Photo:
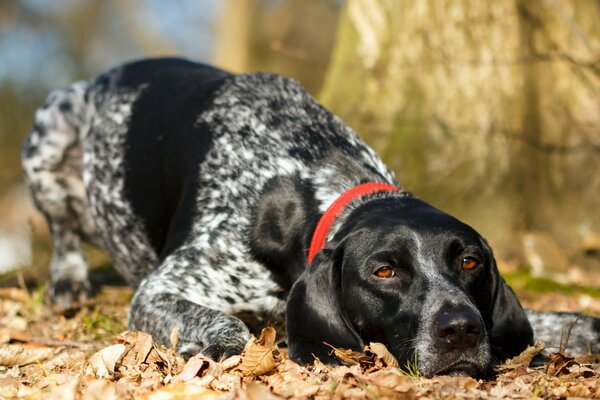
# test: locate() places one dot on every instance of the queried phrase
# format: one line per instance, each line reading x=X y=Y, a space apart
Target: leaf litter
x=92 y=356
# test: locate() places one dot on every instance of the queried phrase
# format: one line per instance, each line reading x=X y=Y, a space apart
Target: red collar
x=326 y=220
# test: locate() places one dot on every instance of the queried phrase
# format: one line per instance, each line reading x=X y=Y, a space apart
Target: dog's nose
x=458 y=329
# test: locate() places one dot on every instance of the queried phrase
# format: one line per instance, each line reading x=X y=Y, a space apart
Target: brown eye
x=470 y=263
x=385 y=272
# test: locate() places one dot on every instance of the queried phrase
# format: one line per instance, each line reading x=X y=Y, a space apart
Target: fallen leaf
x=231 y=362
x=171 y=361
x=524 y=359
x=174 y=337
x=4 y=336
x=559 y=364
x=318 y=366
x=138 y=346
x=20 y=336
x=390 y=384
x=587 y=358
x=577 y=370
x=192 y=368
x=54 y=380
x=226 y=382
x=66 y=391
x=102 y=363
x=382 y=352
x=15 y=294
x=11 y=355
x=183 y=391
x=256 y=391
x=100 y=390
x=292 y=386
x=347 y=356
x=258 y=358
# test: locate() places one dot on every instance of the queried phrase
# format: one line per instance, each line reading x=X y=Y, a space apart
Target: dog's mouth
x=461 y=368
x=473 y=362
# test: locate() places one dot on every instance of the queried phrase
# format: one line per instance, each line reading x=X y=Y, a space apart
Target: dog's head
x=400 y=272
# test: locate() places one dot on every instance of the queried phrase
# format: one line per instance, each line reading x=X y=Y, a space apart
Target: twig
x=62 y=343
x=565 y=337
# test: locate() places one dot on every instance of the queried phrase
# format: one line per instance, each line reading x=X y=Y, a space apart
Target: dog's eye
x=470 y=263
x=385 y=272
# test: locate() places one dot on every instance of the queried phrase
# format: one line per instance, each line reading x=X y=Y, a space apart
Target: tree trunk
x=489 y=110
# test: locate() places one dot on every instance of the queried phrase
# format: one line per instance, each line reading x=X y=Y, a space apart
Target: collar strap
x=326 y=220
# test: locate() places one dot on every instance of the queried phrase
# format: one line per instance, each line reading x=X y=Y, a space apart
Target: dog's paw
x=65 y=295
x=216 y=351
x=221 y=351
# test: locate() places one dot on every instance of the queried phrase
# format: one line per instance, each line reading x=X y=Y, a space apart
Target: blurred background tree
x=488 y=110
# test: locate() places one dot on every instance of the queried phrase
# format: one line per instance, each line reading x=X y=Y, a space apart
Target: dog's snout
x=458 y=329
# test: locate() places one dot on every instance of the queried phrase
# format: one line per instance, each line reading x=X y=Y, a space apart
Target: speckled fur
x=213 y=270
x=575 y=332
x=74 y=161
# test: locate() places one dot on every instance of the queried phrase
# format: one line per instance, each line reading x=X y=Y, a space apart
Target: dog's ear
x=509 y=329
x=314 y=313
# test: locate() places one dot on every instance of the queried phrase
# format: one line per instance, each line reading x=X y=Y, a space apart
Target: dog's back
x=173 y=165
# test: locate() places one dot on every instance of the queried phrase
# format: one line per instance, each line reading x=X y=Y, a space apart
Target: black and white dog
x=208 y=190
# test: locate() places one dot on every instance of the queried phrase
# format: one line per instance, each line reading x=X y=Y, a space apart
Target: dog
x=227 y=201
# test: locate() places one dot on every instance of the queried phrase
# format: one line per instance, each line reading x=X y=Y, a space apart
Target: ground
x=90 y=355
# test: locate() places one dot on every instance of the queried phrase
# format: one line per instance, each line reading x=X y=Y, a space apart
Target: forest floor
x=90 y=355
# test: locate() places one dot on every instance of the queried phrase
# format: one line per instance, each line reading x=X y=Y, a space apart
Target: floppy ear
x=509 y=329
x=314 y=314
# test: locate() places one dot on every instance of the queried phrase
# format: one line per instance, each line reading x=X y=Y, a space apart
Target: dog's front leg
x=200 y=329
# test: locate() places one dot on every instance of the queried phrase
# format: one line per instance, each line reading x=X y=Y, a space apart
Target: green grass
x=101 y=325
x=411 y=368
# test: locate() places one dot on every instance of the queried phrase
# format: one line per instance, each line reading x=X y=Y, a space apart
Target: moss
x=522 y=280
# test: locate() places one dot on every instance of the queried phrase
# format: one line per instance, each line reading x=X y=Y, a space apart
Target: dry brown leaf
x=292 y=386
x=100 y=390
x=390 y=384
x=66 y=360
x=183 y=391
x=319 y=368
x=54 y=380
x=559 y=364
x=138 y=346
x=231 y=362
x=391 y=380
x=102 y=364
x=174 y=337
x=13 y=322
x=16 y=354
x=4 y=336
x=258 y=357
x=382 y=352
x=172 y=363
x=194 y=367
x=66 y=391
x=347 y=356
x=524 y=359
x=587 y=358
x=345 y=373
x=256 y=391
x=15 y=294
x=226 y=382
x=20 y=336
x=577 y=370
